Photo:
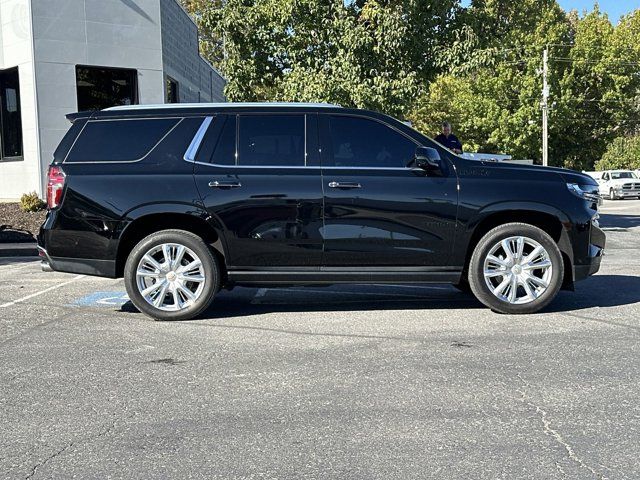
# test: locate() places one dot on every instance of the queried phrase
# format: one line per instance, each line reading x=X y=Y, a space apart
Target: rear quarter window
x=119 y=140
x=67 y=141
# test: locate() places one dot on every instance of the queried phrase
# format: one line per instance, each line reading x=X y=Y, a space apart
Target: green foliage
x=31 y=202
x=621 y=154
x=369 y=54
x=491 y=94
x=477 y=66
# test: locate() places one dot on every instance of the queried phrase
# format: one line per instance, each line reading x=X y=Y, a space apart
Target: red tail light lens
x=55 y=185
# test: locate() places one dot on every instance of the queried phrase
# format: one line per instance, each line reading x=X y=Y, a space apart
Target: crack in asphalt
x=35 y=468
x=557 y=436
x=89 y=438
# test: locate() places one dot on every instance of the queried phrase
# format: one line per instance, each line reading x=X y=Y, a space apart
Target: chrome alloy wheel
x=518 y=270
x=170 y=277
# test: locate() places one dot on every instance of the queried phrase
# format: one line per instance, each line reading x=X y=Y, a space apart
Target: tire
x=612 y=195
x=530 y=294
x=182 y=293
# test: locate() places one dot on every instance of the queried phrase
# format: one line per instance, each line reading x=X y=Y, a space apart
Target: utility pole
x=545 y=108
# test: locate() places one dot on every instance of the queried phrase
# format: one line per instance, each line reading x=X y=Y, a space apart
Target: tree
x=478 y=66
x=623 y=153
x=494 y=78
x=366 y=53
x=211 y=45
x=581 y=100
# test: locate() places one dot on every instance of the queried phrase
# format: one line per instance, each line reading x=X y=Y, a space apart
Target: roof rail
x=220 y=105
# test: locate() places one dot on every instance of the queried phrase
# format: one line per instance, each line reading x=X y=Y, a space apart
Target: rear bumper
x=87 y=266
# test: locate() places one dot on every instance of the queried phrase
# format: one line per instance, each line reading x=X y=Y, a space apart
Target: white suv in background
x=615 y=184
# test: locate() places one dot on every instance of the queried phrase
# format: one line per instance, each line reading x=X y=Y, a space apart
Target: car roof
x=199 y=109
x=221 y=105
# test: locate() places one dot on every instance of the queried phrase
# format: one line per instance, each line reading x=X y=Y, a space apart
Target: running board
x=328 y=277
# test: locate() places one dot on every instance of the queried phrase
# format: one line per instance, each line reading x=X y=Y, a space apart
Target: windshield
x=617 y=175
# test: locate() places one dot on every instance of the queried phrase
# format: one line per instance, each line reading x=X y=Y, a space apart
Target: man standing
x=448 y=139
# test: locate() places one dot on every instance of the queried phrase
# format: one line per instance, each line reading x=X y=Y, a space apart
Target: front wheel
x=516 y=268
x=172 y=275
x=612 y=194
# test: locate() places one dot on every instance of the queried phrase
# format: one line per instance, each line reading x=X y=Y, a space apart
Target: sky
x=614 y=8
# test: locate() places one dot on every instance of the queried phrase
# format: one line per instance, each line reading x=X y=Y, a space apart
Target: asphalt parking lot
x=371 y=382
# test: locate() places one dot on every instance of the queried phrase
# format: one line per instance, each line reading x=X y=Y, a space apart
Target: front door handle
x=344 y=185
x=225 y=184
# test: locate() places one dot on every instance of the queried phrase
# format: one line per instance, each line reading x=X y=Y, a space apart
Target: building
x=63 y=56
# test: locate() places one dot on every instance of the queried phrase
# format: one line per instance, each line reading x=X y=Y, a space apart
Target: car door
x=378 y=211
x=603 y=184
x=262 y=189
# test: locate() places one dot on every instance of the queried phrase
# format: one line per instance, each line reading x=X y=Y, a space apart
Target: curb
x=23 y=249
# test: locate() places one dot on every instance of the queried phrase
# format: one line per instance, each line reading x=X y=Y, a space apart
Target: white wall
x=23 y=176
x=46 y=39
x=108 y=33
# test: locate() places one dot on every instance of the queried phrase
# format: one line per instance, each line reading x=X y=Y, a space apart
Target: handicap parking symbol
x=103 y=299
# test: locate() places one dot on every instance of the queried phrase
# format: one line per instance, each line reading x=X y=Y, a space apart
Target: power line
x=580 y=60
x=609 y=120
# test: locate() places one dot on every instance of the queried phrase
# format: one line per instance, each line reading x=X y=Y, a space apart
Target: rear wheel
x=516 y=268
x=172 y=275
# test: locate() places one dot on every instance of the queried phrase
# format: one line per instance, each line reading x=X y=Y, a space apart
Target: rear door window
x=119 y=140
x=271 y=140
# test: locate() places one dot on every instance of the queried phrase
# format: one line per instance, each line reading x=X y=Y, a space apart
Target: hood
x=569 y=176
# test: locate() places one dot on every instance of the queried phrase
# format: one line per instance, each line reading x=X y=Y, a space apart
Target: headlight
x=586 y=192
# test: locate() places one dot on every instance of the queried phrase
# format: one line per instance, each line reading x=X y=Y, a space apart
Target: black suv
x=185 y=200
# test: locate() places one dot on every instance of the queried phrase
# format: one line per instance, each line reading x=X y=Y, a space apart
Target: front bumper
x=627 y=193
x=591 y=264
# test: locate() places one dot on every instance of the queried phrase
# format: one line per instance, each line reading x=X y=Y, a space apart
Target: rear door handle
x=225 y=184
x=344 y=185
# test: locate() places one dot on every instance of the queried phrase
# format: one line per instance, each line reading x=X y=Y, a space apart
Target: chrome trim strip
x=300 y=167
x=194 y=146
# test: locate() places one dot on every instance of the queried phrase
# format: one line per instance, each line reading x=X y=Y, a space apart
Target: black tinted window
x=225 y=152
x=119 y=140
x=67 y=141
x=271 y=140
x=360 y=142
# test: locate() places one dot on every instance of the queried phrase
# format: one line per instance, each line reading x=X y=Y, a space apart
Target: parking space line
x=9 y=304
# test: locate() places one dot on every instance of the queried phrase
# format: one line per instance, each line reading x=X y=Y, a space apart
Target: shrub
x=31 y=202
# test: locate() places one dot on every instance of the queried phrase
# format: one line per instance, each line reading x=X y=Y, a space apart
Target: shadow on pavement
x=608 y=220
x=597 y=291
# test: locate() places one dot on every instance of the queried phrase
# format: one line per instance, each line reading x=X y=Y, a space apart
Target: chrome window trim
x=194 y=146
x=180 y=119
x=382 y=122
x=287 y=167
x=300 y=167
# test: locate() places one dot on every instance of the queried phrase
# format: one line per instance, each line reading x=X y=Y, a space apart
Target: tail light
x=55 y=185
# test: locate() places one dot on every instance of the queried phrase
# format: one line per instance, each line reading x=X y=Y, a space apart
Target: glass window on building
x=103 y=87
x=10 y=116
x=172 y=91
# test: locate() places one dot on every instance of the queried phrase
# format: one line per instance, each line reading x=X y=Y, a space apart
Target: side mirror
x=428 y=159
